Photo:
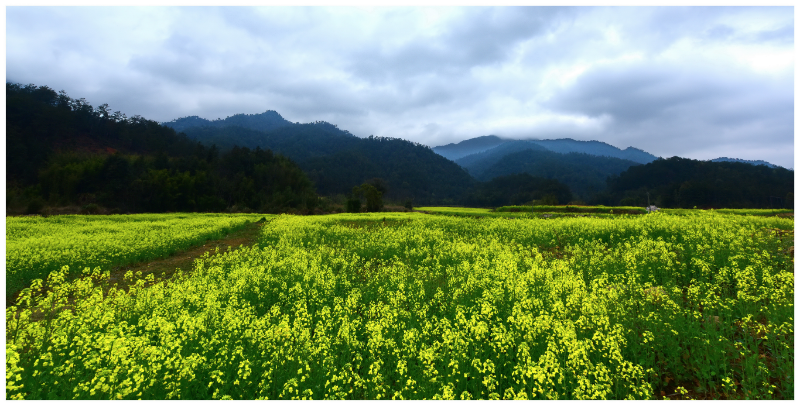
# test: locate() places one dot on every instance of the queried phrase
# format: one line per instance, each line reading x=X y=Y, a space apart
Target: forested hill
x=64 y=152
x=336 y=160
x=297 y=141
x=265 y=121
x=41 y=122
x=686 y=183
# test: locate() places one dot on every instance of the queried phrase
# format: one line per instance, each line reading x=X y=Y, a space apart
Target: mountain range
x=336 y=160
x=563 y=146
x=583 y=166
x=64 y=152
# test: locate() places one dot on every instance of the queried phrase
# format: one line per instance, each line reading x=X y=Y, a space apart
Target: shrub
x=90 y=208
x=34 y=207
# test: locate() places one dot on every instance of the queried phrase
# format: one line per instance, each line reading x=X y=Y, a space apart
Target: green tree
x=354 y=201
x=373 y=196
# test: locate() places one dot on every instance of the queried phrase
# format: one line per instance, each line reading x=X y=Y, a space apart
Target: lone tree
x=373 y=196
x=368 y=192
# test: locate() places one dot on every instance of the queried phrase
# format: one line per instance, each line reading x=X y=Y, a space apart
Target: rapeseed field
x=416 y=306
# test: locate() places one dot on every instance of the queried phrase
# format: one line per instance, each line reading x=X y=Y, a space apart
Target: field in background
x=574 y=209
x=596 y=211
x=36 y=246
x=533 y=212
x=740 y=212
x=417 y=306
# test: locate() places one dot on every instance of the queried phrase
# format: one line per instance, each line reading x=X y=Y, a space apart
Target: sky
x=695 y=82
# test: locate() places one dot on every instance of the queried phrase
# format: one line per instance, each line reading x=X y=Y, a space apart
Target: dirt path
x=164 y=268
x=184 y=260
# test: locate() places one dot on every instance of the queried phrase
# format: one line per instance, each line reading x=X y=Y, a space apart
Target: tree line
x=62 y=151
x=686 y=183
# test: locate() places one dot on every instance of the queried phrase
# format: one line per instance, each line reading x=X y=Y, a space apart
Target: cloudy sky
x=693 y=82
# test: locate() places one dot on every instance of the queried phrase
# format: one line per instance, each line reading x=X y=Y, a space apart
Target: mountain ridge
x=265 y=121
x=745 y=161
x=336 y=160
x=477 y=145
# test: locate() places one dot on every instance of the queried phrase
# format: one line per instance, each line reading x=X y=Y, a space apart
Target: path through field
x=166 y=267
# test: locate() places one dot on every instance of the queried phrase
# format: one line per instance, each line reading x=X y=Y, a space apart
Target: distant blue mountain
x=469 y=147
x=479 y=145
x=597 y=148
x=745 y=161
x=584 y=174
x=478 y=162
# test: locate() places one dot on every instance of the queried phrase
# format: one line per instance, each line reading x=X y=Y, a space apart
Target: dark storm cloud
x=699 y=82
x=641 y=91
x=477 y=37
x=679 y=105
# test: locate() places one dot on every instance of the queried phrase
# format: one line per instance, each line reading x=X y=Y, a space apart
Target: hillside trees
x=686 y=183
x=63 y=152
x=518 y=189
x=370 y=193
x=335 y=160
x=584 y=174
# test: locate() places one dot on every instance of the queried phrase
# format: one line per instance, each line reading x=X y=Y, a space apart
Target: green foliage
x=373 y=197
x=35 y=206
x=532 y=212
x=137 y=165
x=409 y=306
x=267 y=120
x=573 y=209
x=548 y=199
x=518 y=189
x=454 y=209
x=354 y=201
x=368 y=192
x=40 y=121
x=335 y=160
x=741 y=212
x=584 y=174
x=685 y=183
x=90 y=208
